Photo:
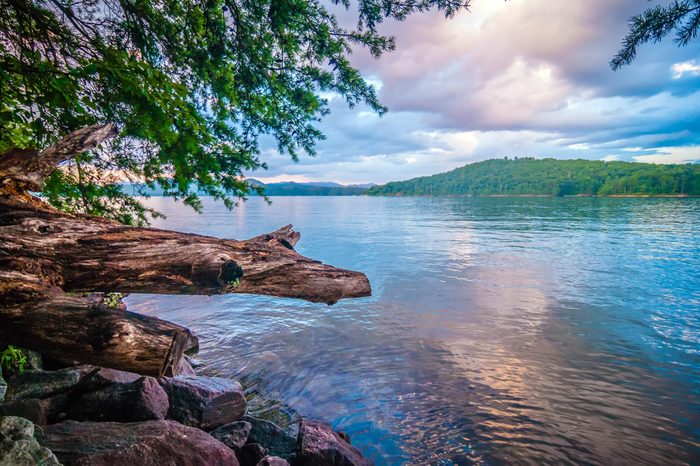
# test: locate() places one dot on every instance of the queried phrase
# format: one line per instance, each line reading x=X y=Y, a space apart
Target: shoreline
x=609 y=196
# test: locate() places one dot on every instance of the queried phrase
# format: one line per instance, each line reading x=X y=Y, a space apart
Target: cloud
x=689 y=154
x=690 y=67
x=523 y=77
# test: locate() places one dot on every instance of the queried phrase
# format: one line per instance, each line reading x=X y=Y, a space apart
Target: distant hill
x=286 y=188
x=552 y=177
x=320 y=188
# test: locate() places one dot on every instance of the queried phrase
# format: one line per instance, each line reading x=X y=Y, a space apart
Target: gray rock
x=319 y=445
x=272 y=437
x=34 y=360
x=233 y=435
x=204 y=402
x=43 y=384
x=141 y=400
x=18 y=447
x=130 y=444
x=251 y=454
x=3 y=386
x=273 y=461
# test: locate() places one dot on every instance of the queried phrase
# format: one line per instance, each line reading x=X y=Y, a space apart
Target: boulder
x=44 y=384
x=274 y=438
x=141 y=400
x=18 y=447
x=3 y=387
x=273 y=461
x=105 y=376
x=137 y=443
x=33 y=409
x=204 y=402
x=251 y=454
x=34 y=360
x=319 y=445
x=233 y=435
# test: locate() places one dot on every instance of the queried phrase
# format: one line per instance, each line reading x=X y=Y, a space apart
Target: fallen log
x=47 y=256
x=87 y=328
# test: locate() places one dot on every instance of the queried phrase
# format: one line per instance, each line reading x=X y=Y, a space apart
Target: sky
x=509 y=78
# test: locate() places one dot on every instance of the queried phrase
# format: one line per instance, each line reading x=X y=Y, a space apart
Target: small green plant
x=234 y=283
x=112 y=299
x=13 y=359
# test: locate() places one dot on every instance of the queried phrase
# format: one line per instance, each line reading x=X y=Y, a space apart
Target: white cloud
x=688 y=154
x=610 y=158
x=690 y=67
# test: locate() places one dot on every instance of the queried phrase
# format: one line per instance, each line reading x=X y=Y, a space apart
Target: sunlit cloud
x=690 y=67
x=690 y=154
x=507 y=80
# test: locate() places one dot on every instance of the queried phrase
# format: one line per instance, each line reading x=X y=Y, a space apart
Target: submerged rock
x=319 y=445
x=141 y=400
x=130 y=444
x=204 y=402
x=233 y=435
x=277 y=441
x=18 y=447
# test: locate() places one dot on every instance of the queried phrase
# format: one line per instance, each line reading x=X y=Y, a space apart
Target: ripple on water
x=501 y=331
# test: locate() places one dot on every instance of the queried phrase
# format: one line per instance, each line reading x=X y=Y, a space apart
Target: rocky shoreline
x=87 y=415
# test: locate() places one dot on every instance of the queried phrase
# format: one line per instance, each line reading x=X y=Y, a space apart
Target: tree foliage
x=552 y=177
x=681 y=17
x=192 y=85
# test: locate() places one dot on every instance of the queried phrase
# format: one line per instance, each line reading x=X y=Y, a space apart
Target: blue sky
x=516 y=78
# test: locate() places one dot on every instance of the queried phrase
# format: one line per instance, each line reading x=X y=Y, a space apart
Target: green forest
x=529 y=176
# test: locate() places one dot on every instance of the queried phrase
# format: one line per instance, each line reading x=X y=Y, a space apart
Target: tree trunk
x=84 y=328
x=45 y=255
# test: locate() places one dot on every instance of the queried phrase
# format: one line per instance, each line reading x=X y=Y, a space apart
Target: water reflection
x=500 y=331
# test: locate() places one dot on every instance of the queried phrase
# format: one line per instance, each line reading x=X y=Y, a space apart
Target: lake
x=500 y=330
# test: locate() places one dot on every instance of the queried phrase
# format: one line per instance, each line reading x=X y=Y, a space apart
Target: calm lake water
x=500 y=331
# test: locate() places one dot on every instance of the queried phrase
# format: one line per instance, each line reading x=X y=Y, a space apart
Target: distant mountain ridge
x=311 y=188
x=552 y=177
x=284 y=188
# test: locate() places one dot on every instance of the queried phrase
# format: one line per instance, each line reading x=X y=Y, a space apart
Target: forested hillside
x=529 y=176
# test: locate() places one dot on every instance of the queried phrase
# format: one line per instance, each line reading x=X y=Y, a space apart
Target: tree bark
x=84 y=328
x=46 y=255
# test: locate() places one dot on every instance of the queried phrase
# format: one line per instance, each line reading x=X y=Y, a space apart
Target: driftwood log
x=54 y=267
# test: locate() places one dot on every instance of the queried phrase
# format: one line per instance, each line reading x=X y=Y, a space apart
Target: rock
x=273 y=461
x=233 y=435
x=274 y=438
x=43 y=384
x=343 y=435
x=204 y=402
x=104 y=376
x=18 y=447
x=35 y=410
x=3 y=386
x=34 y=360
x=184 y=368
x=141 y=400
x=129 y=444
x=320 y=446
x=251 y=454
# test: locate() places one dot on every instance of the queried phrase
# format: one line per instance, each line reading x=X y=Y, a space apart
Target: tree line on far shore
x=553 y=177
